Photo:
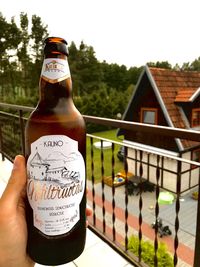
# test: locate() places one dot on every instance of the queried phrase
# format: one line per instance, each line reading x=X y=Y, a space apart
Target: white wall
x=167 y=176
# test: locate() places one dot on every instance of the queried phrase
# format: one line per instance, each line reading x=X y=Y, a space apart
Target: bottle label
x=56 y=183
x=55 y=70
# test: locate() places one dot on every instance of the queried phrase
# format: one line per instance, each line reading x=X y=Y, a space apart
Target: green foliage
x=148 y=253
x=195 y=65
x=97 y=172
x=103 y=103
x=39 y=33
x=9 y=36
x=20 y=100
x=85 y=69
x=20 y=56
x=162 y=64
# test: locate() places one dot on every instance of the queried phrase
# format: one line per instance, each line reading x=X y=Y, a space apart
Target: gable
x=144 y=98
x=170 y=88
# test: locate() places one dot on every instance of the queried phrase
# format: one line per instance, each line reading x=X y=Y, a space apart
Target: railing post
x=177 y=210
x=21 y=121
x=1 y=144
x=197 y=242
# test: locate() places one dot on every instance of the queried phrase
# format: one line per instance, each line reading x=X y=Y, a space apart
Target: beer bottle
x=55 y=141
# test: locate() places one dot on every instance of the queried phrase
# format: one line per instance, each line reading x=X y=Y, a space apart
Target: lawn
x=107 y=155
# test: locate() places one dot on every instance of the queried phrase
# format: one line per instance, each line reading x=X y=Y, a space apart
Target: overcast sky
x=129 y=32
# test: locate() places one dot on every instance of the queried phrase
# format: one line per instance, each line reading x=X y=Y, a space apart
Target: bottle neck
x=55 y=81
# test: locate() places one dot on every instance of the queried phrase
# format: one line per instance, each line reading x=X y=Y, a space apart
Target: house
x=168 y=98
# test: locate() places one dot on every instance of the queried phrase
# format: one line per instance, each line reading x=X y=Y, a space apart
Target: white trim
x=152 y=149
x=195 y=95
x=184 y=117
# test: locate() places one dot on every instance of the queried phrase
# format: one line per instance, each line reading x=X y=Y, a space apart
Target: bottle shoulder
x=56 y=114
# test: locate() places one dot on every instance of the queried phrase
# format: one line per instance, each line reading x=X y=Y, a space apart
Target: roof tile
x=176 y=86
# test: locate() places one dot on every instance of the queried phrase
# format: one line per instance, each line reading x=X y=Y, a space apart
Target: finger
x=16 y=183
x=88 y=211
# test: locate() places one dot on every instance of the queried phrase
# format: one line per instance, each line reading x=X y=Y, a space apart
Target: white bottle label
x=55 y=70
x=56 y=183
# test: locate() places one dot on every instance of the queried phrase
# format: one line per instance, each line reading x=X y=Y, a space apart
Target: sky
x=126 y=32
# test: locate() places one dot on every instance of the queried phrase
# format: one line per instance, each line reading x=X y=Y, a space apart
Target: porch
x=116 y=214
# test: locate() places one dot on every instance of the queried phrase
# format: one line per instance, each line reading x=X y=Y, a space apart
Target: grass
x=107 y=154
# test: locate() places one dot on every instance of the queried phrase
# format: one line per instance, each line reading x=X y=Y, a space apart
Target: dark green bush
x=148 y=253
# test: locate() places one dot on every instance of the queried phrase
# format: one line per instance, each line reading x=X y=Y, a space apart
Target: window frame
x=145 y=109
x=192 y=117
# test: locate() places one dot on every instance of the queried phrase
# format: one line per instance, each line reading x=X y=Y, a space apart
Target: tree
x=20 y=57
x=23 y=56
x=89 y=69
x=73 y=63
x=195 y=65
x=85 y=69
x=39 y=33
x=162 y=64
x=115 y=76
x=133 y=75
x=9 y=40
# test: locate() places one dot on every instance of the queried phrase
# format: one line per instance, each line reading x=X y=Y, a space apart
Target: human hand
x=13 y=228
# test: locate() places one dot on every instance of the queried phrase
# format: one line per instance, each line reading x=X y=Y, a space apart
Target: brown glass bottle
x=55 y=151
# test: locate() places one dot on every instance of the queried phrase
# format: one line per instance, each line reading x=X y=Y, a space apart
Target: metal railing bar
x=140 y=218
x=5 y=155
x=103 y=187
x=132 y=126
x=21 y=123
x=93 y=181
x=17 y=107
x=146 y=150
x=197 y=240
x=154 y=129
x=126 y=213
x=9 y=115
x=113 y=193
x=177 y=210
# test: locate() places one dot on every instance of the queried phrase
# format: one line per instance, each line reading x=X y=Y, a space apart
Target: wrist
x=16 y=263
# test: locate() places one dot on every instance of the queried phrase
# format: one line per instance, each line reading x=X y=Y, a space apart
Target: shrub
x=148 y=253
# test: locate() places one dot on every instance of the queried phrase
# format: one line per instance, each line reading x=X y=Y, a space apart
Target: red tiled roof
x=176 y=86
x=185 y=94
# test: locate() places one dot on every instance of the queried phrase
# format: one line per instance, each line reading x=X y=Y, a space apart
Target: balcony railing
x=127 y=201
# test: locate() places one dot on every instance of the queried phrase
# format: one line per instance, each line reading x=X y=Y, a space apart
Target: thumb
x=16 y=183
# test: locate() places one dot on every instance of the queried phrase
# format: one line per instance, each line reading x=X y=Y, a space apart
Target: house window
x=196 y=117
x=195 y=156
x=148 y=115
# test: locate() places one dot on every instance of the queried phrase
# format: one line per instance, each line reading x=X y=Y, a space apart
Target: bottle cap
x=56 y=44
